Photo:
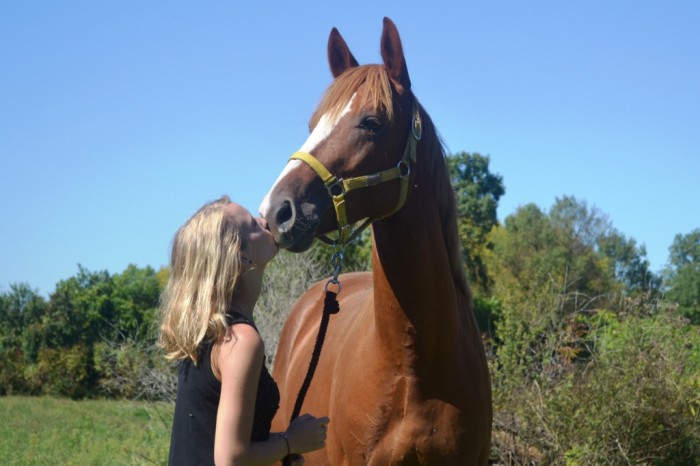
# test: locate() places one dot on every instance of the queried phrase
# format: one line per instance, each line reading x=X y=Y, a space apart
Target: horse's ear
x=392 y=53
x=339 y=56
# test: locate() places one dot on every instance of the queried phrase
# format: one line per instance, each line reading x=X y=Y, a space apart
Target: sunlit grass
x=52 y=431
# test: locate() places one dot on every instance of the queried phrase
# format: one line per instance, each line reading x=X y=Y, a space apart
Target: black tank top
x=198 y=392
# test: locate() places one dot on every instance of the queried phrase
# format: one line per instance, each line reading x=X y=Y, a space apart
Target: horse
x=403 y=373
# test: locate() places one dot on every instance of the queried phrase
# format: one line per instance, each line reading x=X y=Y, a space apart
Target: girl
x=226 y=398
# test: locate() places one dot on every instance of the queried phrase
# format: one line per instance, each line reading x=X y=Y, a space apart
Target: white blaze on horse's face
x=322 y=130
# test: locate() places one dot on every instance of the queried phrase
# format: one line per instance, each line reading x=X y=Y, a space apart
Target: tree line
x=595 y=358
x=88 y=339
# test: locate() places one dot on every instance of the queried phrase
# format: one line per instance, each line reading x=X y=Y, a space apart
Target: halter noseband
x=338 y=187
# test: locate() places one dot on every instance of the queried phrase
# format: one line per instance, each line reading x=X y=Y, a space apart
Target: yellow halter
x=338 y=187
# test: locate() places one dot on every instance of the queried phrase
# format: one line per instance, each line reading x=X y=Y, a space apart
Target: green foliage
x=628 y=262
x=21 y=310
x=573 y=245
x=286 y=279
x=685 y=290
x=487 y=311
x=80 y=310
x=685 y=249
x=637 y=401
x=49 y=347
x=588 y=366
x=18 y=308
x=11 y=371
x=59 y=372
x=133 y=370
x=683 y=275
x=477 y=191
x=135 y=296
x=595 y=388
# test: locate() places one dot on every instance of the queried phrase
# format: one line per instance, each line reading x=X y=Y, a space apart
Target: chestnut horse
x=403 y=374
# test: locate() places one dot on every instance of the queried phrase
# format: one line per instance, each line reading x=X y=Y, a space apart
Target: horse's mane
x=431 y=155
x=433 y=167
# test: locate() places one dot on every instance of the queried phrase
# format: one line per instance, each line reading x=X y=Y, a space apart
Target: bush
x=637 y=402
x=62 y=372
x=487 y=311
x=634 y=398
x=11 y=371
x=134 y=370
x=286 y=279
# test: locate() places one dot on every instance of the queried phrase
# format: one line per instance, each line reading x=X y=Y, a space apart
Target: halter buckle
x=373 y=180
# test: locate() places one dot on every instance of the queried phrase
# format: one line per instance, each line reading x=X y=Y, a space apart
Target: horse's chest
x=401 y=429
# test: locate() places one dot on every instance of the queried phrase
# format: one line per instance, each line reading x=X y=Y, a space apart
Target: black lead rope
x=330 y=306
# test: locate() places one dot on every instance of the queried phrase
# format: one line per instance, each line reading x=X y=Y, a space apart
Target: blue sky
x=119 y=119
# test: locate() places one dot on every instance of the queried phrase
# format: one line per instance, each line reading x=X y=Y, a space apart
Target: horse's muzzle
x=292 y=226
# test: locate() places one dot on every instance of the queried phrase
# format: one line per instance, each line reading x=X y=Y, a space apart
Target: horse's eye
x=371 y=124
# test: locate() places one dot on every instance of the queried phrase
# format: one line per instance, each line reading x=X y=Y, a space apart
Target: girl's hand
x=307 y=433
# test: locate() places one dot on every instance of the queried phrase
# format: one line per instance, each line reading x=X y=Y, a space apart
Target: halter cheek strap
x=338 y=187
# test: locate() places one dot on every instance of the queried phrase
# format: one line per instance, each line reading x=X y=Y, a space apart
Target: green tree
x=547 y=268
x=21 y=310
x=477 y=191
x=135 y=295
x=568 y=336
x=578 y=229
x=558 y=247
x=80 y=310
x=95 y=331
x=534 y=284
x=574 y=245
x=683 y=274
x=586 y=228
x=628 y=262
x=685 y=249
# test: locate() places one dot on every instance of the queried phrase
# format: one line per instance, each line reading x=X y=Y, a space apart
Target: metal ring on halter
x=334 y=281
x=336 y=185
x=404 y=168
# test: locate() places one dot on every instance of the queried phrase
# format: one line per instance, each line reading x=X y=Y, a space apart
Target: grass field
x=52 y=431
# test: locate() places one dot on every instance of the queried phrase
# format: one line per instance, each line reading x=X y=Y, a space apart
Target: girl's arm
x=239 y=359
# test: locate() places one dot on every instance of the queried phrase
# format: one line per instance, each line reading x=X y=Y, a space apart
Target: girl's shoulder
x=241 y=350
x=241 y=337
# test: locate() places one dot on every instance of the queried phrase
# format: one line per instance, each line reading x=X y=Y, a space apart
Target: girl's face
x=258 y=244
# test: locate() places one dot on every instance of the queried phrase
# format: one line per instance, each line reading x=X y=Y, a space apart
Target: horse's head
x=356 y=163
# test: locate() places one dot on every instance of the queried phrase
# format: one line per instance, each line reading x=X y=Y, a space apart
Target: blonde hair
x=204 y=269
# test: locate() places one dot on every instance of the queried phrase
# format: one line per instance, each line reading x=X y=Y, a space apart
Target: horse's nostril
x=285 y=216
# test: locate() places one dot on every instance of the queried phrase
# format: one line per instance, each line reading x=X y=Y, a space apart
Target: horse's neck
x=418 y=311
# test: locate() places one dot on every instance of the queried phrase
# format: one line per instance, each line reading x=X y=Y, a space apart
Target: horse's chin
x=295 y=240
x=300 y=245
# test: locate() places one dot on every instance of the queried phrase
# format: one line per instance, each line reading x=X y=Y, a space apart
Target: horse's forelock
x=376 y=86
